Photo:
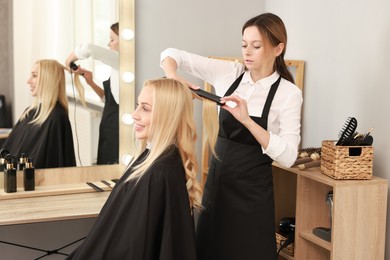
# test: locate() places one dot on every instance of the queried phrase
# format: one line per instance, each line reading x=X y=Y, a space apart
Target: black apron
x=238 y=220
x=108 y=149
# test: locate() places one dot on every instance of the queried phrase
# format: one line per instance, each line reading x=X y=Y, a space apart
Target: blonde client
x=148 y=213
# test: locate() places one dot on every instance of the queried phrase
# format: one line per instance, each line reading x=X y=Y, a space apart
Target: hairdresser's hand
x=188 y=84
x=88 y=76
x=239 y=109
x=185 y=82
x=170 y=68
x=79 y=71
x=69 y=59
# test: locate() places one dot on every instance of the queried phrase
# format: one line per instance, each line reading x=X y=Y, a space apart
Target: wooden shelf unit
x=359 y=214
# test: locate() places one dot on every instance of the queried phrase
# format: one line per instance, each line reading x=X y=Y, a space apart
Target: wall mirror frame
x=127 y=86
x=127 y=89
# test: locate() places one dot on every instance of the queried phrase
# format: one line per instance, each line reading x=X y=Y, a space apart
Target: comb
x=94 y=186
x=347 y=131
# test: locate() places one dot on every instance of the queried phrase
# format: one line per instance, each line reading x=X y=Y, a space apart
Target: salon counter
x=60 y=194
x=51 y=208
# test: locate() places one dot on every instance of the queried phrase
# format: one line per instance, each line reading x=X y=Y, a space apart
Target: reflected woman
x=43 y=132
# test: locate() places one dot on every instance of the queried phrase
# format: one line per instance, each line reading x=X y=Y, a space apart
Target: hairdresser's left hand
x=239 y=110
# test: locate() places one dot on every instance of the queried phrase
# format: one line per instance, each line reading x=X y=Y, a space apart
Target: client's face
x=143 y=113
x=33 y=80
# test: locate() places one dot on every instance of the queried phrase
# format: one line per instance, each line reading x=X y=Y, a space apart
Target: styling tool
x=208 y=95
x=324 y=232
x=360 y=139
x=315 y=156
x=307 y=152
x=347 y=131
x=305 y=160
x=367 y=139
x=93 y=186
x=302 y=160
x=309 y=165
x=111 y=185
x=73 y=66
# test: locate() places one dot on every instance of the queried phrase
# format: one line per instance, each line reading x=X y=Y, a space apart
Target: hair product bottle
x=3 y=162
x=9 y=175
x=22 y=162
x=29 y=176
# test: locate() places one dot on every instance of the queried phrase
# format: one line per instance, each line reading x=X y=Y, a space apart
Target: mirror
x=36 y=38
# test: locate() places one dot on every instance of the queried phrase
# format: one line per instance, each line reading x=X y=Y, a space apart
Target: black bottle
x=29 y=176
x=2 y=163
x=22 y=162
x=9 y=176
x=3 y=153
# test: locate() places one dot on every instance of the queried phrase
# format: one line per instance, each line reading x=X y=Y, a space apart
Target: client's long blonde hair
x=50 y=90
x=172 y=123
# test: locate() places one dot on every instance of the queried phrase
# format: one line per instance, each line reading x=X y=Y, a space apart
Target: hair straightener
x=208 y=95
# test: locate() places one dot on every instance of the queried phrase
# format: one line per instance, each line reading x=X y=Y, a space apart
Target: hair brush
x=361 y=139
x=347 y=131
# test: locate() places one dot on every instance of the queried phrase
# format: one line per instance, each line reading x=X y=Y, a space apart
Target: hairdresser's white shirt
x=108 y=57
x=285 y=113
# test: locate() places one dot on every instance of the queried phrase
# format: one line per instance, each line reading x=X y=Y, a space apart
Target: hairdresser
x=259 y=123
x=108 y=149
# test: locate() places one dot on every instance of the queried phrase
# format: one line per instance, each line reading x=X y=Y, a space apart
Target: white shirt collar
x=265 y=82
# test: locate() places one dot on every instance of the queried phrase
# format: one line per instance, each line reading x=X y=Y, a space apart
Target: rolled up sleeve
x=283 y=146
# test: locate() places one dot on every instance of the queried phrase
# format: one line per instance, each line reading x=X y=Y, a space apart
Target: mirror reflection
x=108 y=145
x=54 y=32
x=43 y=135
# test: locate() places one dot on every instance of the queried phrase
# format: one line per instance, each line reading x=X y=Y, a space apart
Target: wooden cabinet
x=359 y=214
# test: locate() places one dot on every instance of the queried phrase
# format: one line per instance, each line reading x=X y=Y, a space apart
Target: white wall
x=346 y=48
x=202 y=26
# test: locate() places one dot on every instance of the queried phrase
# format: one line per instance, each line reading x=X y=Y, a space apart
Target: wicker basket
x=289 y=249
x=346 y=162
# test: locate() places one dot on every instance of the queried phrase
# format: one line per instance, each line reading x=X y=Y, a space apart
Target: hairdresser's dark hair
x=272 y=28
x=115 y=28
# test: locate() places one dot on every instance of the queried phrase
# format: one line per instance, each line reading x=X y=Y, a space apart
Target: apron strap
x=234 y=85
x=270 y=98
